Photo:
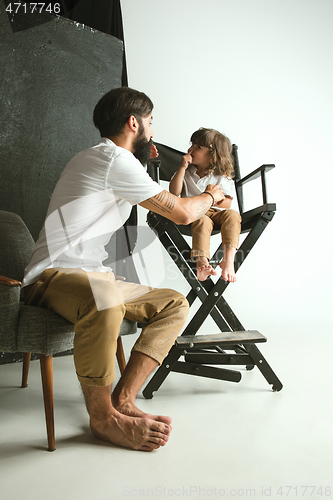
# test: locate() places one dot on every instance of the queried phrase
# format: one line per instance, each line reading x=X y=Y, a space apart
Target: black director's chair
x=233 y=345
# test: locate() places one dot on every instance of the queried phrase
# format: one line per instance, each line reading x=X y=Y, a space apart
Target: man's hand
x=186 y=161
x=217 y=192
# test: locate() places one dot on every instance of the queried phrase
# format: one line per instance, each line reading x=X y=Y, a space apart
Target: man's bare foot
x=228 y=271
x=131 y=432
x=204 y=271
x=130 y=409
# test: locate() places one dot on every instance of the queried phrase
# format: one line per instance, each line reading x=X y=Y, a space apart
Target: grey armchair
x=28 y=329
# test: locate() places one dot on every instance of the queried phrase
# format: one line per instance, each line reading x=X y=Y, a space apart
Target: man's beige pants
x=96 y=304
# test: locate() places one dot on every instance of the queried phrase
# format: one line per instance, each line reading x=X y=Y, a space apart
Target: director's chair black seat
x=233 y=344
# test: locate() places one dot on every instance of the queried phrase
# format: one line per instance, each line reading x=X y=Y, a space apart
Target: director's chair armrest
x=255 y=174
x=9 y=281
x=259 y=172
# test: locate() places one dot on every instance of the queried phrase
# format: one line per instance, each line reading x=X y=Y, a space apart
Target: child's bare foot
x=227 y=264
x=131 y=432
x=204 y=271
x=228 y=271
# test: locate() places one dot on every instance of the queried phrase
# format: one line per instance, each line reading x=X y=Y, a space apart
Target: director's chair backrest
x=168 y=161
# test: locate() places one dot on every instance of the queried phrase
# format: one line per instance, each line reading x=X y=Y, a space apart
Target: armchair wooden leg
x=120 y=355
x=25 y=368
x=46 y=365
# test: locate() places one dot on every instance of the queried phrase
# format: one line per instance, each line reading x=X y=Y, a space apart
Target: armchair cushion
x=43 y=332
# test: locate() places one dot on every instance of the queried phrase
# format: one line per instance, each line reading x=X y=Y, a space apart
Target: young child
x=209 y=161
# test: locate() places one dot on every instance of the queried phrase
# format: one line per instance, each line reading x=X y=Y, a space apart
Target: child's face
x=200 y=155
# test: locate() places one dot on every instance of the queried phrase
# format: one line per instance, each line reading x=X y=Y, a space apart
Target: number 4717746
x=23 y=8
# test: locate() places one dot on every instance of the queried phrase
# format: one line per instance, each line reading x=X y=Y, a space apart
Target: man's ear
x=133 y=123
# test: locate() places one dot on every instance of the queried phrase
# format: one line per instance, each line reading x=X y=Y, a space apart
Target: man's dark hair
x=114 y=109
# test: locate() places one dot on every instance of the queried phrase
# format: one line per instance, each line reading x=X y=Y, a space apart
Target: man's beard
x=142 y=146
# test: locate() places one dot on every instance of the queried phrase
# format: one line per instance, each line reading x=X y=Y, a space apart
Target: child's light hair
x=220 y=150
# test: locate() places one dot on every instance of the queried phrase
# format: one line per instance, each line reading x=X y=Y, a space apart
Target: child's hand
x=153 y=151
x=222 y=200
x=186 y=161
x=217 y=192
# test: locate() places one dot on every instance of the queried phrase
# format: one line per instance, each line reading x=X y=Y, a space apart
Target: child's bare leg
x=204 y=269
x=227 y=264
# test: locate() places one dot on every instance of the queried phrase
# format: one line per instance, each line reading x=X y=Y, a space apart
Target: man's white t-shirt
x=92 y=199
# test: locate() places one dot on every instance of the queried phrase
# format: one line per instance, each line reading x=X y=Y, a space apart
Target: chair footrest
x=222 y=338
x=207 y=371
x=216 y=358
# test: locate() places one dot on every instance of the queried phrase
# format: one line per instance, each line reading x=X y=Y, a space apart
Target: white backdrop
x=261 y=72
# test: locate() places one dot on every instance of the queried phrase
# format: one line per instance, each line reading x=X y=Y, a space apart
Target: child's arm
x=176 y=185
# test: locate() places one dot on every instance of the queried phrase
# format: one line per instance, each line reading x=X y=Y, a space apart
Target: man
x=92 y=199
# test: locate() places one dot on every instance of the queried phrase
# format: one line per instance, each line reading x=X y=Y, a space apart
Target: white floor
x=228 y=440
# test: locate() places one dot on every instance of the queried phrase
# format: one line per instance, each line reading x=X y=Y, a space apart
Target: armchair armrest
x=9 y=281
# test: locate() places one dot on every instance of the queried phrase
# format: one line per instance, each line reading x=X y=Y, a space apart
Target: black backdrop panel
x=52 y=75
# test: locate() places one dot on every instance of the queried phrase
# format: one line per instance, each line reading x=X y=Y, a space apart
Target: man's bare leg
x=204 y=269
x=227 y=264
x=123 y=397
x=106 y=422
